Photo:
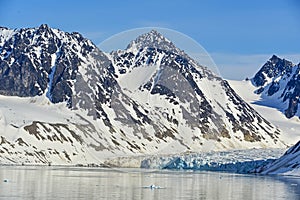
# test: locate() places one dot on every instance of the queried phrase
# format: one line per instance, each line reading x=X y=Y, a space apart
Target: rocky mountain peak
x=275 y=59
x=273 y=68
x=152 y=39
x=35 y=61
x=44 y=27
x=152 y=68
x=278 y=81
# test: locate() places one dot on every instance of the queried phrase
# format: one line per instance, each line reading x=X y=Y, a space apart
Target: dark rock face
x=44 y=60
x=279 y=79
x=36 y=56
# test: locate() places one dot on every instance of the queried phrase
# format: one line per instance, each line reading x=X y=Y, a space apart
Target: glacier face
x=236 y=161
x=64 y=101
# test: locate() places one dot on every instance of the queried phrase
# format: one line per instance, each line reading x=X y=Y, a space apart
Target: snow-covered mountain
x=65 y=101
x=273 y=92
x=278 y=82
x=188 y=96
x=60 y=68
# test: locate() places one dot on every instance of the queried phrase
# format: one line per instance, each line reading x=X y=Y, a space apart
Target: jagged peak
x=274 y=58
x=49 y=32
x=47 y=29
x=152 y=39
x=154 y=33
x=43 y=26
x=272 y=69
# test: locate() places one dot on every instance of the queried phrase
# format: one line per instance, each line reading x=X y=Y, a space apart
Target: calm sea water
x=97 y=183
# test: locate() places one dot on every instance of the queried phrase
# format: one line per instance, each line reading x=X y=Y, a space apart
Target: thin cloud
x=162 y=24
x=239 y=67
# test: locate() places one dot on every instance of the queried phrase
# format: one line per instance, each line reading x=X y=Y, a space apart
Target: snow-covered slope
x=290 y=127
x=33 y=130
x=274 y=93
x=288 y=164
x=64 y=101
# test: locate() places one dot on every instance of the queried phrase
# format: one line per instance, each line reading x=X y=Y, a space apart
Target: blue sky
x=239 y=35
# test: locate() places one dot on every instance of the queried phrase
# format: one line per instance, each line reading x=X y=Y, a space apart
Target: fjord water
x=97 y=183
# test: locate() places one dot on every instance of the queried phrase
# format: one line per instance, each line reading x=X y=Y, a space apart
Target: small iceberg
x=152 y=187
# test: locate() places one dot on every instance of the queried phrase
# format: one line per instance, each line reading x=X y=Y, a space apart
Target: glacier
x=252 y=161
x=238 y=161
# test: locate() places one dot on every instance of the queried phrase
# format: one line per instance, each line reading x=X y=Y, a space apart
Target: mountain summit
x=152 y=39
x=65 y=101
x=278 y=82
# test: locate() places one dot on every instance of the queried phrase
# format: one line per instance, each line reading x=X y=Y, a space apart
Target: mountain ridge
x=176 y=105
